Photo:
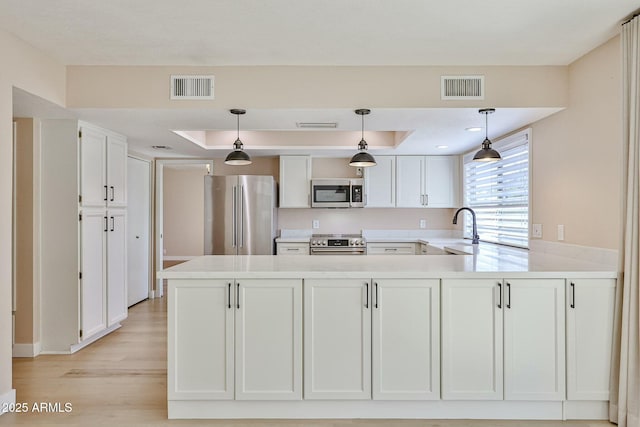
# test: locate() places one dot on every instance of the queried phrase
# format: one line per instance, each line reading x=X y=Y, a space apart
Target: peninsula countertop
x=487 y=260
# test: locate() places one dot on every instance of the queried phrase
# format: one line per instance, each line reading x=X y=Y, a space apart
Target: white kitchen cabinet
x=534 y=339
x=103 y=167
x=292 y=248
x=427 y=181
x=200 y=340
x=391 y=248
x=380 y=183
x=337 y=339
x=115 y=263
x=589 y=307
x=268 y=356
x=235 y=339
x=93 y=237
x=406 y=339
x=472 y=366
x=295 y=182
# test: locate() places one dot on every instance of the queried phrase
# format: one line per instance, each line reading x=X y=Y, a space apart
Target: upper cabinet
x=427 y=181
x=103 y=161
x=295 y=182
x=380 y=183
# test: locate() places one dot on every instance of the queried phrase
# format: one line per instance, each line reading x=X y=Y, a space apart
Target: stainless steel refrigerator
x=239 y=215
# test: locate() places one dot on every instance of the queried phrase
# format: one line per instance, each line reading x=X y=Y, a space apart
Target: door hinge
x=80 y=333
x=79 y=217
x=79 y=198
x=80 y=275
x=80 y=133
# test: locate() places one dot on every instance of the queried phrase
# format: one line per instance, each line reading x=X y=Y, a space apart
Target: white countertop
x=488 y=260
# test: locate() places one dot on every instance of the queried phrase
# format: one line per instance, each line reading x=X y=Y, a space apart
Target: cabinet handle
x=113 y=223
x=293 y=249
x=573 y=295
x=376 y=285
x=366 y=301
x=234 y=216
x=390 y=249
x=238 y=295
x=426 y=200
x=499 y=295
x=106 y=193
x=422 y=200
x=509 y=295
x=113 y=193
x=229 y=294
x=106 y=224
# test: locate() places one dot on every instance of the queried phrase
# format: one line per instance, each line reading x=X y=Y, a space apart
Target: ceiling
x=321 y=32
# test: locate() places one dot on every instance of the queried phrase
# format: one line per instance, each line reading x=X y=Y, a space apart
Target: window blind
x=498 y=192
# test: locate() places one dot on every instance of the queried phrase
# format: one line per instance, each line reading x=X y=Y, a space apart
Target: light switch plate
x=423 y=223
x=560 y=232
x=315 y=224
x=536 y=231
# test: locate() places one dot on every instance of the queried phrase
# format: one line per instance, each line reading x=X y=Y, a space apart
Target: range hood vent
x=191 y=87
x=461 y=87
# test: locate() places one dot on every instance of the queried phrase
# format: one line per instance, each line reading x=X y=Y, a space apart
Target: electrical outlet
x=423 y=223
x=536 y=231
x=560 y=232
x=316 y=224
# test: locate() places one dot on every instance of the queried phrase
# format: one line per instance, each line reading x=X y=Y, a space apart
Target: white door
x=590 y=305
x=295 y=181
x=200 y=339
x=117 y=171
x=337 y=339
x=93 y=231
x=138 y=217
x=472 y=339
x=380 y=183
x=94 y=190
x=441 y=181
x=534 y=358
x=410 y=181
x=268 y=339
x=406 y=339
x=116 y=266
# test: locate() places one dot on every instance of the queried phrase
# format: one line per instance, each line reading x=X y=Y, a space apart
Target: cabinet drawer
x=292 y=248
x=391 y=248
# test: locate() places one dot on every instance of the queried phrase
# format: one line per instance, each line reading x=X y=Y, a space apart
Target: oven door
x=329 y=193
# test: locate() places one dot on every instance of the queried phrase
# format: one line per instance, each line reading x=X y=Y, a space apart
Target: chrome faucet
x=476 y=238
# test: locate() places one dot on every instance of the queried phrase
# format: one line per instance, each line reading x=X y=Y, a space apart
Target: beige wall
x=183 y=210
x=27 y=68
x=260 y=166
x=576 y=155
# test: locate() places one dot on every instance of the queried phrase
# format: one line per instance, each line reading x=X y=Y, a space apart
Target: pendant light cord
x=237 y=126
x=362 y=121
x=486 y=125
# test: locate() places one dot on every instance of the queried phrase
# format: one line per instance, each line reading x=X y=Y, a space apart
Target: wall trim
x=27 y=350
x=7 y=399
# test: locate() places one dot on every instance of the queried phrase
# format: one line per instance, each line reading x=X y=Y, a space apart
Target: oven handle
x=338 y=250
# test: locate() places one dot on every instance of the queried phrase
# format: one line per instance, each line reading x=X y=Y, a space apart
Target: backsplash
x=354 y=220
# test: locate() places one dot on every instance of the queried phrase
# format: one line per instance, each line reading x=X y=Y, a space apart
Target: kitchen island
x=503 y=333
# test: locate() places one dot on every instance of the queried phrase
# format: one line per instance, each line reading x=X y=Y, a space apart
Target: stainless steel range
x=337 y=244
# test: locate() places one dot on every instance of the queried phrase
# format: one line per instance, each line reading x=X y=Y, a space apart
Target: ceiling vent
x=317 y=125
x=461 y=87
x=191 y=87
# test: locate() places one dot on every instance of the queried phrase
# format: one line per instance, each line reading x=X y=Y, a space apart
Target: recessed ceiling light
x=161 y=147
x=442 y=146
x=474 y=129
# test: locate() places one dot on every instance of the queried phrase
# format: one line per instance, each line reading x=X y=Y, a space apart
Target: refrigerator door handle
x=241 y=217
x=234 y=220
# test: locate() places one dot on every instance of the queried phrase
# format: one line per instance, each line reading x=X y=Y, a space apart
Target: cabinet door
x=269 y=339
x=116 y=262
x=295 y=181
x=410 y=181
x=337 y=339
x=117 y=171
x=590 y=305
x=200 y=339
x=534 y=342
x=93 y=174
x=93 y=228
x=380 y=183
x=472 y=339
x=406 y=339
x=441 y=181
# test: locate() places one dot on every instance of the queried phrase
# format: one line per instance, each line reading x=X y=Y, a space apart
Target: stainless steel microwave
x=337 y=193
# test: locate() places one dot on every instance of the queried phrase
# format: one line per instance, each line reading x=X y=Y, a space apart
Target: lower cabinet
x=235 y=339
x=369 y=338
x=480 y=316
x=292 y=248
x=590 y=306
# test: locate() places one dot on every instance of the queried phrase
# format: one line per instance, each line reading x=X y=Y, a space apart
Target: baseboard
x=94 y=338
x=152 y=294
x=27 y=350
x=585 y=410
x=7 y=399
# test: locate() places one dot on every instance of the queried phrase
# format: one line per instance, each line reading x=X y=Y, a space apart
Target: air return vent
x=461 y=87
x=191 y=87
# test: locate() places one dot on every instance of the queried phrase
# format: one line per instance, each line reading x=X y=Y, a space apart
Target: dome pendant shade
x=237 y=157
x=486 y=153
x=362 y=159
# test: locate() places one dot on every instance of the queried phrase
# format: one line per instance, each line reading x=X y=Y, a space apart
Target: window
x=499 y=193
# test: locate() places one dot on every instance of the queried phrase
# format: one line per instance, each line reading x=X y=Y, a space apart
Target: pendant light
x=486 y=153
x=238 y=157
x=362 y=158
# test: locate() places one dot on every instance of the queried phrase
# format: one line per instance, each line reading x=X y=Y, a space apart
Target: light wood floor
x=121 y=381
